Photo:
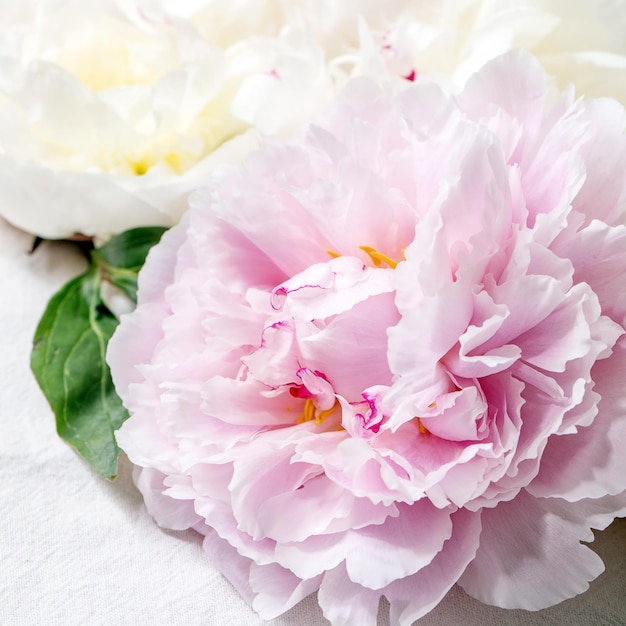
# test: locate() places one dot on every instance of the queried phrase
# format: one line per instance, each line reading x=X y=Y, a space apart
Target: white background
x=76 y=549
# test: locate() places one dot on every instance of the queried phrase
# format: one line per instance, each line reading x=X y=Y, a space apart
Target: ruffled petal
x=346 y=603
x=546 y=562
x=414 y=596
x=590 y=462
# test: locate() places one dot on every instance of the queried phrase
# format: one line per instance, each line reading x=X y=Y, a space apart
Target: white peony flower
x=110 y=114
x=579 y=42
x=106 y=115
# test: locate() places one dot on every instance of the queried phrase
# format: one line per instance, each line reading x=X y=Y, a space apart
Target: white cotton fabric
x=75 y=549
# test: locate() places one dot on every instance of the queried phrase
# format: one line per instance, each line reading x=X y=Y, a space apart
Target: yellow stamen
x=140 y=167
x=309 y=413
x=322 y=415
x=378 y=258
x=423 y=430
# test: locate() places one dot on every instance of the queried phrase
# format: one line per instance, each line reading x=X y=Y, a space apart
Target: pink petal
x=456 y=416
x=598 y=255
x=318 y=507
x=592 y=461
x=167 y=511
x=394 y=549
x=416 y=595
x=275 y=361
x=229 y=562
x=346 y=603
x=246 y=402
x=277 y=589
x=602 y=194
x=530 y=555
x=326 y=289
x=513 y=82
x=348 y=348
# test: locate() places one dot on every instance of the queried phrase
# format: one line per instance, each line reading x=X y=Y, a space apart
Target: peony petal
x=275 y=362
x=347 y=349
x=602 y=195
x=318 y=507
x=590 y=462
x=168 y=512
x=277 y=589
x=255 y=481
x=346 y=603
x=542 y=566
x=395 y=550
x=514 y=82
x=242 y=402
x=391 y=554
x=414 y=596
x=90 y=204
x=230 y=563
x=327 y=289
x=597 y=253
x=456 y=416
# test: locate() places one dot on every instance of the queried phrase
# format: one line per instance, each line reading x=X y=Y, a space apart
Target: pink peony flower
x=388 y=355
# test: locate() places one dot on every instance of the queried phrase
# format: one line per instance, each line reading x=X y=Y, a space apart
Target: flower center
x=129 y=62
x=378 y=258
x=320 y=401
x=311 y=412
x=420 y=425
x=177 y=152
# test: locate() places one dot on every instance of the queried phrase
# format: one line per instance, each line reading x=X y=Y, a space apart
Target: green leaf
x=121 y=258
x=68 y=361
x=127 y=283
x=69 y=349
x=129 y=249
